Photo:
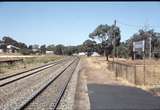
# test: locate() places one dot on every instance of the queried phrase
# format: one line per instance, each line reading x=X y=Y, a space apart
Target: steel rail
x=64 y=89
x=25 y=104
x=21 y=77
x=2 y=78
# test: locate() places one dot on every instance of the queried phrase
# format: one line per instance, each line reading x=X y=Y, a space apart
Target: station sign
x=138 y=46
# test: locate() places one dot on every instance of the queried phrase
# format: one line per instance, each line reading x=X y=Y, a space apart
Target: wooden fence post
x=126 y=72
x=135 y=75
x=116 y=70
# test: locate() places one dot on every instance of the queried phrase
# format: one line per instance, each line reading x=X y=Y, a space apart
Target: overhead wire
x=137 y=26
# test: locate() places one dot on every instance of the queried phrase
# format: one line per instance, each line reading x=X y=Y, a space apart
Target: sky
x=70 y=23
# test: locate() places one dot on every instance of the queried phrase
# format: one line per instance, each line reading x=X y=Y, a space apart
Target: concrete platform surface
x=116 y=97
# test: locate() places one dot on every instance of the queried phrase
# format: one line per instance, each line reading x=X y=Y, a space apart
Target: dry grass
x=152 y=74
x=97 y=72
x=138 y=62
x=153 y=89
x=29 y=62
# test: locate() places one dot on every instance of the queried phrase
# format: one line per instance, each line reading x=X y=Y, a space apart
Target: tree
x=89 y=46
x=51 y=47
x=122 y=50
x=145 y=35
x=98 y=48
x=25 y=51
x=22 y=45
x=59 y=50
x=80 y=48
x=108 y=36
x=30 y=47
x=43 y=49
x=3 y=47
x=9 y=41
x=69 y=50
x=35 y=48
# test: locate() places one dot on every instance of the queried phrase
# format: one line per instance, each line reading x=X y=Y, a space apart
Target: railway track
x=14 y=77
x=45 y=93
x=38 y=97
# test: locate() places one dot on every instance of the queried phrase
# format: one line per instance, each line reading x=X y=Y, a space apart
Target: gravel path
x=81 y=98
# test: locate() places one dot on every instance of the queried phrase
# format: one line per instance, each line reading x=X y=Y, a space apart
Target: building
x=49 y=52
x=8 y=48
x=95 y=54
x=12 y=49
x=81 y=54
x=35 y=48
x=75 y=54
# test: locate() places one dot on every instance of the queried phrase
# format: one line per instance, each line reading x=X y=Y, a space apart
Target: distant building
x=82 y=53
x=95 y=54
x=12 y=49
x=75 y=54
x=8 y=48
x=35 y=48
x=49 y=52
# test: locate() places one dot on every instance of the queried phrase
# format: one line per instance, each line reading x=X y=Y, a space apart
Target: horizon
x=69 y=23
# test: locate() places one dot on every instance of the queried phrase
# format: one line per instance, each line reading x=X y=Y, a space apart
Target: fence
x=11 y=61
x=137 y=74
x=8 y=63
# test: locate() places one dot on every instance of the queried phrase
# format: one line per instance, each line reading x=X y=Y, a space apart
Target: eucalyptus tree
x=59 y=49
x=109 y=36
x=43 y=49
x=51 y=47
x=89 y=46
x=151 y=38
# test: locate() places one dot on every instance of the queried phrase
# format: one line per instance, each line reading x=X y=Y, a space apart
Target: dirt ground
x=97 y=72
x=94 y=71
x=129 y=61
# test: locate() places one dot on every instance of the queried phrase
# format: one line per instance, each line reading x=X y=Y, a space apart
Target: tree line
x=104 y=39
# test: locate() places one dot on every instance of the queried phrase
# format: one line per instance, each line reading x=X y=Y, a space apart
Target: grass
x=29 y=62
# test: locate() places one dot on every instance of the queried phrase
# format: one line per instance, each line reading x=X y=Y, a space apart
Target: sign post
x=139 y=46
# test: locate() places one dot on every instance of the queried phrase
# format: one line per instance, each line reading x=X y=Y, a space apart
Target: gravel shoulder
x=68 y=99
x=81 y=98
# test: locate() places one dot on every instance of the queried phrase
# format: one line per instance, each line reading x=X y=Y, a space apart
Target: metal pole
x=150 y=55
x=114 y=41
x=144 y=69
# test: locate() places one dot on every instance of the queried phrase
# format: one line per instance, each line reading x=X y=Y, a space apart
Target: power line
x=130 y=25
x=138 y=26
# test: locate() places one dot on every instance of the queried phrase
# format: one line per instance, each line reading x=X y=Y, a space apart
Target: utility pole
x=114 y=45
x=150 y=46
x=146 y=27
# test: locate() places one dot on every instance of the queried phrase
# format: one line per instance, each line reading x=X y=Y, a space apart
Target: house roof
x=12 y=46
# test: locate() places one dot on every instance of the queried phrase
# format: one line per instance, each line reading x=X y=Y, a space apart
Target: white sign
x=138 y=46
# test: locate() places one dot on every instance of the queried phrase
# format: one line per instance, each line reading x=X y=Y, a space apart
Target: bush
x=26 y=51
